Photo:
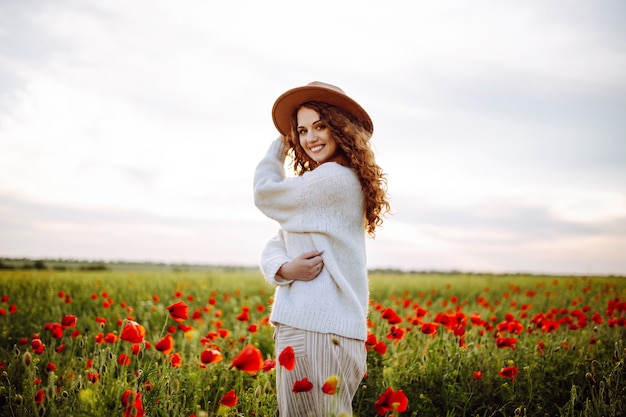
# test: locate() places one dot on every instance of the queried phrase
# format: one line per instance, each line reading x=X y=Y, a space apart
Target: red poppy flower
x=506 y=342
x=185 y=327
x=287 y=358
x=165 y=345
x=391 y=401
x=269 y=365
x=330 y=386
x=371 y=339
x=51 y=367
x=444 y=319
x=478 y=374
x=381 y=348
x=245 y=314
x=391 y=316
x=510 y=325
x=133 y=332
x=135 y=348
x=210 y=356
x=56 y=329
x=476 y=320
x=302 y=385
x=93 y=377
x=39 y=396
x=249 y=360
x=176 y=360
x=596 y=318
x=68 y=321
x=110 y=338
x=395 y=333
x=37 y=346
x=131 y=404
x=123 y=359
x=509 y=372
x=229 y=399
x=429 y=328
x=179 y=311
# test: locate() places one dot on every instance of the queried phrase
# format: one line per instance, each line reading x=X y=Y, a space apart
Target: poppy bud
x=27 y=359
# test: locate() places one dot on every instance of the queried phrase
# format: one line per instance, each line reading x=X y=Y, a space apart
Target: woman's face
x=316 y=138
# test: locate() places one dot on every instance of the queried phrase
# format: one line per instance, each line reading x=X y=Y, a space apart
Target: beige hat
x=315 y=91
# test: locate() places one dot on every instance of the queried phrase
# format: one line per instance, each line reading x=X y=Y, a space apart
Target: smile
x=317 y=148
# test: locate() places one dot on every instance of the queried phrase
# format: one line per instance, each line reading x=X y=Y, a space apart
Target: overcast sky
x=130 y=129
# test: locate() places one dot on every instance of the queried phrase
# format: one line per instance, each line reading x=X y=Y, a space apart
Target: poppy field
x=199 y=343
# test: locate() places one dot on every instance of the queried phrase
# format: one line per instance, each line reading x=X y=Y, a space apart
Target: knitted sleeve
x=306 y=203
x=274 y=255
x=273 y=194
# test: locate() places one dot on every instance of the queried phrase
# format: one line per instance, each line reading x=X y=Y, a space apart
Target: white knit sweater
x=322 y=210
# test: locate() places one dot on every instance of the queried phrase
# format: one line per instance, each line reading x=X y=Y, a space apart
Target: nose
x=311 y=136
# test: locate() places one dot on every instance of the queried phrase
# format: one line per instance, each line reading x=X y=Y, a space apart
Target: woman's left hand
x=305 y=267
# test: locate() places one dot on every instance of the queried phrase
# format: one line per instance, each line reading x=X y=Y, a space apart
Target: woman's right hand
x=305 y=267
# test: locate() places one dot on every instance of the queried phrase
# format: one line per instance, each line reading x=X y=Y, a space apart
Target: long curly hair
x=354 y=141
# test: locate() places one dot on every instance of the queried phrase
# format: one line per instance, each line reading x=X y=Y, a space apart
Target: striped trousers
x=319 y=356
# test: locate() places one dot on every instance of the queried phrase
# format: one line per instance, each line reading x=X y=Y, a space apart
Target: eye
x=320 y=127
x=302 y=132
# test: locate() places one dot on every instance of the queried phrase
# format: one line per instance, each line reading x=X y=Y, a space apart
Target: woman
x=317 y=260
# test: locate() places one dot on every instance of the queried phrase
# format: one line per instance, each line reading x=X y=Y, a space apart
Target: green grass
x=574 y=370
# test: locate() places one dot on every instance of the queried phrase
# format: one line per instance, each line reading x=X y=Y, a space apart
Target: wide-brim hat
x=316 y=91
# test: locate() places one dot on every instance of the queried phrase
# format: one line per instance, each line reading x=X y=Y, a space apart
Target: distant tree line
x=42 y=265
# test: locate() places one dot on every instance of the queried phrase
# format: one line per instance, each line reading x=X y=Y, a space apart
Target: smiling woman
x=317 y=259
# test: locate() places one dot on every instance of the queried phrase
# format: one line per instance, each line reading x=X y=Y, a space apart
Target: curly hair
x=353 y=139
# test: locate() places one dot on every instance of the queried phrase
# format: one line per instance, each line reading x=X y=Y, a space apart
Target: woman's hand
x=302 y=268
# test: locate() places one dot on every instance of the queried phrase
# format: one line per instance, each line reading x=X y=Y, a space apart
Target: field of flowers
x=198 y=343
